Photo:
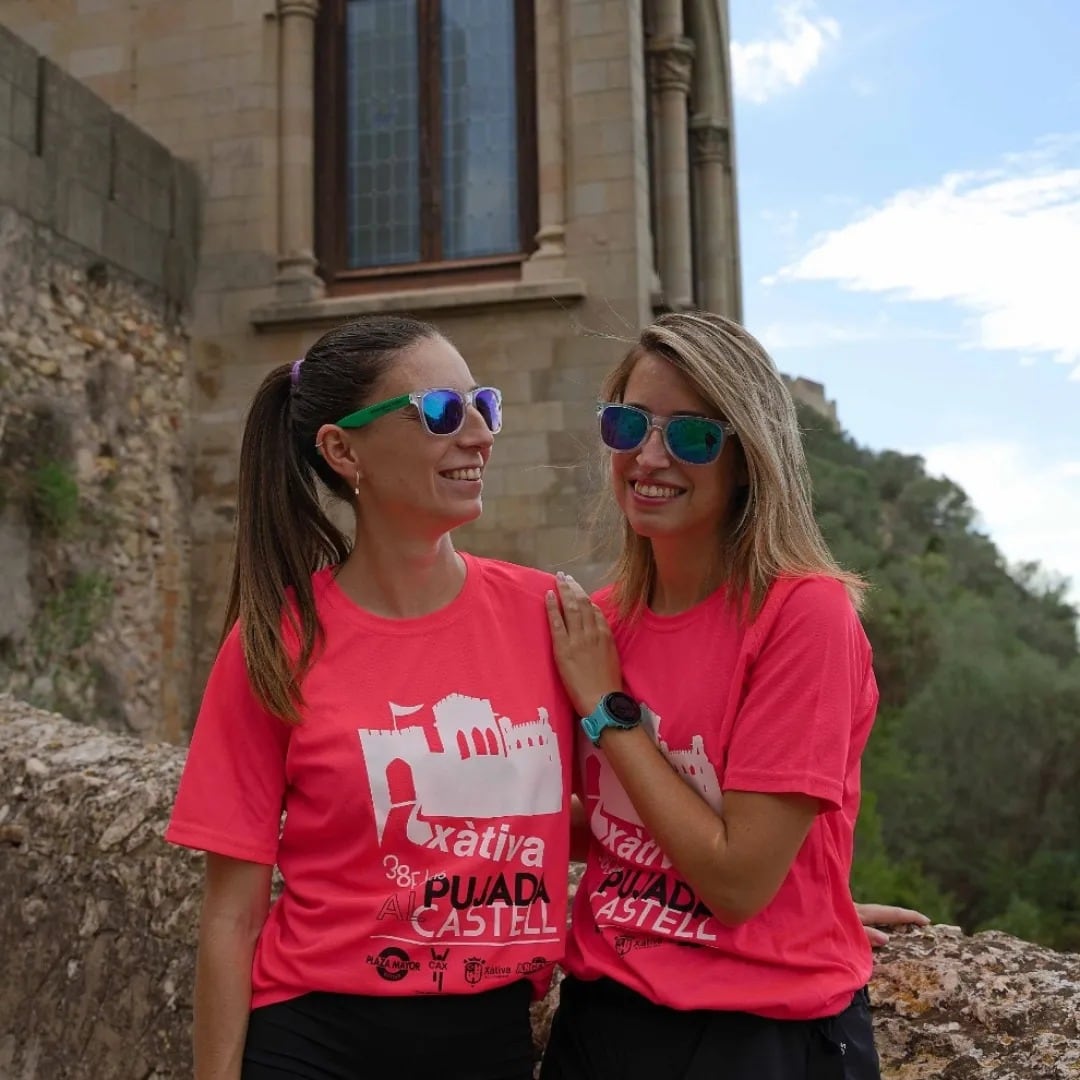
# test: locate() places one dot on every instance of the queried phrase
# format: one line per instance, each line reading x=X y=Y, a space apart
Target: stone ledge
x=100 y=922
x=456 y=297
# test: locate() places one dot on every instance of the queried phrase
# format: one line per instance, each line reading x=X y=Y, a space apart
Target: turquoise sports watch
x=616 y=710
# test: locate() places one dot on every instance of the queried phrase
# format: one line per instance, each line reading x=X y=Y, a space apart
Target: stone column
x=671 y=60
x=296 y=278
x=549 y=259
x=713 y=184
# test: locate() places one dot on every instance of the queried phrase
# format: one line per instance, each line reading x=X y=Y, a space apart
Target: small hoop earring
x=356 y=490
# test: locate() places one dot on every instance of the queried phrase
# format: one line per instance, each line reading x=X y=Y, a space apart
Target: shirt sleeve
x=807 y=685
x=232 y=788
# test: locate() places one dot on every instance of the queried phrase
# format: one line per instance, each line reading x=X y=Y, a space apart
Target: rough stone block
x=86 y=156
x=148 y=251
x=237 y=270
x=18 y=62
x=140 y=152
x=585 y=19
x=14 y=173
x=178 y=271
x=16 y=596
x=120 y=237
x=70 y=107
x=186 y=203
x=143 y=196
x=587 y=76
x=24 y=120
x=42 y=192
x=82 y=217
x=97 y=60
x=7 y=91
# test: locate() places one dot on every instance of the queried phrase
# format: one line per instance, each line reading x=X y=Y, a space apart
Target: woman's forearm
x=735 y=860
x=222 y=998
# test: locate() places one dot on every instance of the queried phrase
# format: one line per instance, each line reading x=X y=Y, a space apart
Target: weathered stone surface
x=955 y=1007
x=97 y=931
x=95 y=498
x=99 y=920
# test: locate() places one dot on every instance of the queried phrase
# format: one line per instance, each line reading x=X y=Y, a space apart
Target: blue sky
x=909 y=203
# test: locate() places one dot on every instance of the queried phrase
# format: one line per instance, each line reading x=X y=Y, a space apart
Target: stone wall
x=98 y=228
x=100 y=915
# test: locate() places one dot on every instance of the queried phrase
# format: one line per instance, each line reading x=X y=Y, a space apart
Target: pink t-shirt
x=426 y=796
x=784 y=705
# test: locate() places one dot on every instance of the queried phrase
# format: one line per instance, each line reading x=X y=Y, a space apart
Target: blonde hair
x=772 y=531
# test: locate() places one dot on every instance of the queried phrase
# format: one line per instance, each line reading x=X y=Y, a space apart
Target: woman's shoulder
x=814 y=591
x=815 y=604
x=498 y=574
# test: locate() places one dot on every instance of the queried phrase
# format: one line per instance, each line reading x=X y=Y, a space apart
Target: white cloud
x=813 y=335
x=766 y=67
x=783 y=223
x=1002 y=245
x=821 y=334
x=1029 y=507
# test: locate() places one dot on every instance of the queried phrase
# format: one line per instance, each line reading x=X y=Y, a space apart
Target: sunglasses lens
x=489 y=405
x=694 y=440
x=444 y=411
x=622 y=428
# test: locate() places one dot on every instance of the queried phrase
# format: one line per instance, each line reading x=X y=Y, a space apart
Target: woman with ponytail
x=385 y=724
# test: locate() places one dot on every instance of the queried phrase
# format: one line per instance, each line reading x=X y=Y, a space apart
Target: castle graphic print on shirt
x=501 y=768
x=636 y=889
x=461 y=785
x=612 y=816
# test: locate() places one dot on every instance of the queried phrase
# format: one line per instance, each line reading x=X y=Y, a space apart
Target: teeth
x=464 y=474
x=655 y=491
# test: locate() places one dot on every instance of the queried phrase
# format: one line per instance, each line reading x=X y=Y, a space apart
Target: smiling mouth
x=655 y=491
x=472 y=473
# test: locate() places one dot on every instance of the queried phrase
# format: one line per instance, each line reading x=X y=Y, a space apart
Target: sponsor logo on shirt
x=476 y=970
x=531 y=967
x=393 y=964
x=625 y=943
x=440 y=959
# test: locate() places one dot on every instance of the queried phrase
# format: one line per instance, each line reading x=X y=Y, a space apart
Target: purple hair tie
x=295 y=375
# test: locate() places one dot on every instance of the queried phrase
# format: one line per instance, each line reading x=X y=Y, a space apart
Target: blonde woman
x=727 y=693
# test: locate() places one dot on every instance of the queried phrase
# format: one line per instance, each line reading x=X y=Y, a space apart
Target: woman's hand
x=874 y=915
x=584 y=648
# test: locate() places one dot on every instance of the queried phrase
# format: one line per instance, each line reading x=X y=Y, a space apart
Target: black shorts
x=602 y=1031
x=322 y=1036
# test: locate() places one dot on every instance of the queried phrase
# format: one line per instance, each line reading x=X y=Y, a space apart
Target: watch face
x=623 y=707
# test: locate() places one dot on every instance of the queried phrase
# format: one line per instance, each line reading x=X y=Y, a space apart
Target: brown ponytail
x=283 y=535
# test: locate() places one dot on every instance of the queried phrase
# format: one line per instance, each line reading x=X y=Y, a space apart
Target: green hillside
x=972 y=775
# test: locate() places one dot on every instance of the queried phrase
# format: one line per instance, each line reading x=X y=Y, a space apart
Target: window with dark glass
x=425 y=131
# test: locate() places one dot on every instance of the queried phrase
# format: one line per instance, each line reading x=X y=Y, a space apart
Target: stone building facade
x=538 y=177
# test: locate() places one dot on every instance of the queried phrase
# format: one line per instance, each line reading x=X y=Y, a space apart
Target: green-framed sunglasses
x=442 y=411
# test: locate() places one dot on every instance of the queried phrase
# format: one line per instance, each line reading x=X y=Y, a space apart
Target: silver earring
x=356 y=490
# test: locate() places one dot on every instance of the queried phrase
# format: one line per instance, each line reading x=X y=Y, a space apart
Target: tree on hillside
x=972 y=775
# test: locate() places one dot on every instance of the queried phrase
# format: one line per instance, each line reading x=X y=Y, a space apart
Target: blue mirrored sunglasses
x=694 y=440
x=442 y=411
